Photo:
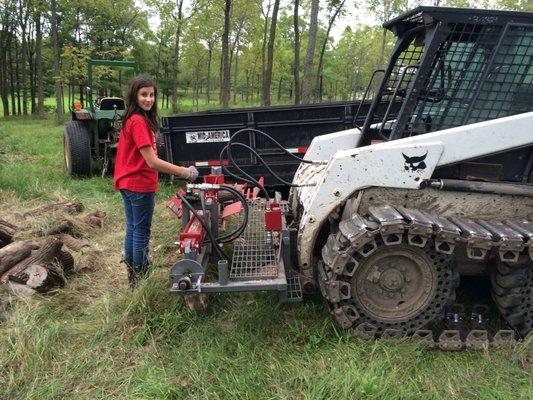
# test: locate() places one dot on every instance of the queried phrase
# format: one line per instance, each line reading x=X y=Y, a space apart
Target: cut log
x=7 y=231
x=45 y=254
x=69 y=241
x=70 y=207
x=95 y=219
x=13 y=253
x=66 y=262
x=19 y=289
x=63 y=227
x=90 y=262
x=72 y=243
x=42 y=279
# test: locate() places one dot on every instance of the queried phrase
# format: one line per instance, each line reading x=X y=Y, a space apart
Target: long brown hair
x=151 y=117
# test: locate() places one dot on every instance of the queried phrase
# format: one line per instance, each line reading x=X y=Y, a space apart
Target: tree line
x=215 y=52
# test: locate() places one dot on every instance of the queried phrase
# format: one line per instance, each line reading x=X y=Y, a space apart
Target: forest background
x=202 y=53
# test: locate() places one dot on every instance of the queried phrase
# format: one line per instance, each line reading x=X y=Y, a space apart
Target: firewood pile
x=36 y=261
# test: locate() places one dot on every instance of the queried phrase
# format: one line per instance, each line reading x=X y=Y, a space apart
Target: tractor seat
x=108 y=103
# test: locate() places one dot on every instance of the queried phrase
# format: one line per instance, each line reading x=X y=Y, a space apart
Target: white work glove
x=193 y=173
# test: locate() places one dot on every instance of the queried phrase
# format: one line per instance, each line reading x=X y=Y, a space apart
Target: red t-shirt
x=131 y=170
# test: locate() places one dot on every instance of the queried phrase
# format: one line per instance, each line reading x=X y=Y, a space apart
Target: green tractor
x=90 y=139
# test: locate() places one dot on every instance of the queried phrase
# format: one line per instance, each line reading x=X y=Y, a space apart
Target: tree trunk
x=331 y=21
x=247 y=96
x=308 y=66
x=382 y=50
x=17 y=78
x=158 y=64
x=267 y=78
x=12 y=80
x=39 y=65
x=208 y=83
x=296 y=66
x=57 y=66
x=31 y=66
x=5 y=42
x=235 y=74
x=175 y=64
x=264 y=43
x=225 y=81
x=23 y=15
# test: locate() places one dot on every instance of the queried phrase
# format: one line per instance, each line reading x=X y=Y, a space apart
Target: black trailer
x=198 y=138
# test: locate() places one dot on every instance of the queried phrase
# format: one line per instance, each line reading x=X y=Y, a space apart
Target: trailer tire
x=77 y=149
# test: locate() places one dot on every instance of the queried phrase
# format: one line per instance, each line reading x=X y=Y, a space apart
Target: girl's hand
x=193 y=173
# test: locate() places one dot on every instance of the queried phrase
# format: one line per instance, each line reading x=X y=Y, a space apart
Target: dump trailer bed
x=198 y=138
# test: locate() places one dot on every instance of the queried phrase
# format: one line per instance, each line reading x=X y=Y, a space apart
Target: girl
x=136 y=168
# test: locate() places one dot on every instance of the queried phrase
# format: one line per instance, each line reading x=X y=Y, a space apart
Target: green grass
x=94 y=339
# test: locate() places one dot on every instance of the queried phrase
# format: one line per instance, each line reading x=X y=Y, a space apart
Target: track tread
x=512 y=282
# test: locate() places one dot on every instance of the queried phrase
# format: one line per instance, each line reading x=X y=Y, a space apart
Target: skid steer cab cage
x=452 y=67
x=262 y=252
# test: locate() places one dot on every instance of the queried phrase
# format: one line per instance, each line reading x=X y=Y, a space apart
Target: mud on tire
x=392 y=287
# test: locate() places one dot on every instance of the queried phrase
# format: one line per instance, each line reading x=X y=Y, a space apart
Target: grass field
x=95 y=339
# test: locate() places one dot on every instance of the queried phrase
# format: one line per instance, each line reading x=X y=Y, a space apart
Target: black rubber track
x=512 y=291
x=77 y=149
x=447 y=281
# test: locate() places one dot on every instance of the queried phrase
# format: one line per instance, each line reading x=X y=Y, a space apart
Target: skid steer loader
x=384 y=219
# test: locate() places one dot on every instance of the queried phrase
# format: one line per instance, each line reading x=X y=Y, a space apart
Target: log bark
x=14 y=253
x=72 y=243
x=95 y=219
x=63 y=227
x=66 y=262
x=7 y=231
x=45 y=254
x=70 y=207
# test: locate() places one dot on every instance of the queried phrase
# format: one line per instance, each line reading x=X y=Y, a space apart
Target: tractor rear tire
x=77 y=149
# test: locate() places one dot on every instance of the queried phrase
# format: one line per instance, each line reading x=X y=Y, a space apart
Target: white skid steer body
x=404 y=163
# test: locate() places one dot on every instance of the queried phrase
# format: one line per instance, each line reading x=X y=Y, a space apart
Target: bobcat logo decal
x=414 y=163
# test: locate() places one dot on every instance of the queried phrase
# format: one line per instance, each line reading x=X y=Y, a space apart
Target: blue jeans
x=139 y=208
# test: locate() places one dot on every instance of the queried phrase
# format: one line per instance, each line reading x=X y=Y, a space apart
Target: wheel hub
x=392 y=280
x=395 y=283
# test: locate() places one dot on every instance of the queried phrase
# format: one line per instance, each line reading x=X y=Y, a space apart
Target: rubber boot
x=133 y=278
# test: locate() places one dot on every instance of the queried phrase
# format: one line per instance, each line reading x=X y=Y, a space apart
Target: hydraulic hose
x=279 y=178
x=274 y=141
x=237 y=232
x=247 y=177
